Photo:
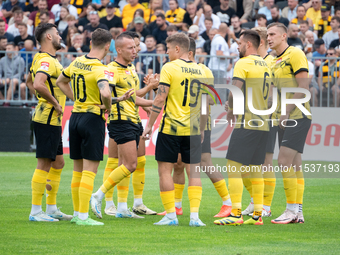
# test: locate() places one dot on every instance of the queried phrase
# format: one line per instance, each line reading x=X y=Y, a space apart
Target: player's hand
x=230 y=116
x=103 y=107
x=147 y=110
x=202 y=137
x=58 y=109
x=154 y=81
x=127 y=95
x=282 y=120
x=226 y=106
x=147 y=133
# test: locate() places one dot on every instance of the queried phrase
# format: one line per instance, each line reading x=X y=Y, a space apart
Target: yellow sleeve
x=299 y=62
x=103 y=74
x=240 y=70
x=46 y=66
x=166 y=75
x=67 y=71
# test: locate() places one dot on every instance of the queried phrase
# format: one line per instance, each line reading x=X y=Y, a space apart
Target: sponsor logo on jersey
x=127 y=72
x=45 y=66
x=278 y=61
x=109 y=75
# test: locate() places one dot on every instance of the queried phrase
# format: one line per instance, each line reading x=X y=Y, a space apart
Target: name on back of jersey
x=82 y=66
x=191 y=70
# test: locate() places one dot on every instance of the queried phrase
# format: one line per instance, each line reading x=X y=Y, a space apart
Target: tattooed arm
x=105 y=93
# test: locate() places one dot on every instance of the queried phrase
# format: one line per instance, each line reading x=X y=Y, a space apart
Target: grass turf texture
x=320 y=233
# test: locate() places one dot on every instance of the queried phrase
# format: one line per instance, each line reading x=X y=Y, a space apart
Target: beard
x=56 y=45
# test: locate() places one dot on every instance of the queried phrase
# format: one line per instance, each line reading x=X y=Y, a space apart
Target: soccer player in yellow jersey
x=247 y=147
x=290 y=70
x=90 y=89
x=138 y=177
x=181 y=130
x=47 y=125
x=125 y=127
x=268 y=173
x=206 y=163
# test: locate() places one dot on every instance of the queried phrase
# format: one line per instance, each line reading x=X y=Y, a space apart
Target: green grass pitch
x=319 y=235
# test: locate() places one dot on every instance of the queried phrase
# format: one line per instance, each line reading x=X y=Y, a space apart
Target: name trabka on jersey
x=209 y=80
x=181 y=116
x=254 y=72
x=285 y=66
x=125 y=78
x=85 y=74
x=49 y=65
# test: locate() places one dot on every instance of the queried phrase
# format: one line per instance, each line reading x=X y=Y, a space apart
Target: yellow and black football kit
x=176 y=16
x=125 y=124
x=87 y=122
x=248 y=140
x=179 y=130
x=47 y=125
x=288 y=64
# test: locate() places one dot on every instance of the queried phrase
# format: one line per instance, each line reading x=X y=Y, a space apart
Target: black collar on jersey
x=255 y=55
x=48 y=54
x=283 y=52
x=187 y=61
x=91 y=58
x=122 y=65
x=266 y=56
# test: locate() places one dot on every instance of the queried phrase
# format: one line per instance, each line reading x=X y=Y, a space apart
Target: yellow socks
x=235 y=186
x=221 y=188
x=257 y=188
x=115 y=177
x=195 y=196
x=300 y=189
x=52 y=186
x=269 y=188
x=138 y=178
x=112 y=163
x=247 y=182
x=179 y=194
x=76 y=178
x=123 y=189
x=290 y=187
x=168 y=200
x=85 y=190
x=38 y=186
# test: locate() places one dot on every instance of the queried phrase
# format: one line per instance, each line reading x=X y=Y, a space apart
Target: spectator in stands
x=149 y=14
x=8 y=6
x=35 y=17
x=160 y=33
x=171 y=30
x=266 y=9
x=293 y=37
x=102 y=8
x=243 y=9
x=313 y=85
x=12 y=68
x=207 y=44
x=320 y=51
x=261 y=20
x=224 y=12
x=3 y=43
x=86 y=19
x=140 y=27
x=143 y=66
x=329 y=75
x=190 y=14
x=207 y=13
x=289 y=12
x=93 y=25
x=304 y=28
x=31 y=7
x=44 y=17
x=218 y=63
x=11 y=20
x=335 y=44
x=275 y=11
x=3 y=32
x=153 y=25
x=18 y=18
x=81 y=6
x=138 y=13
x=333 y=34
x=337 y=12
x=237 y=29
x=71 y=31
x=324 y=24
x=28 y=46
x=314 y=13
x=208 y=25
x=175 y=15
x=111 y=20
x=57 y=8
x=23 y=35
x=199 y=51
x=114 y=32
x=129 y=10
x=62 y=22
x=310 y=37
x=300 y=16
x=193 y=32
x=78 y=46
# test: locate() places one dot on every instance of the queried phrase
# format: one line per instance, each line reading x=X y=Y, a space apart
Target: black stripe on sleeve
x=165 y=84
x=102 y=80
x=65 y=75
x=43 y=73
x=238 y=79
x=301 y=70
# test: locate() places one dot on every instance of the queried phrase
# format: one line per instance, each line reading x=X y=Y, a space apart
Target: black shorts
x=271 y=139
x=168 y=147
x=206 y=145
x=48 y=139
x=247 y=146
x=123 y=131
x=295 y=137
x=87 y=134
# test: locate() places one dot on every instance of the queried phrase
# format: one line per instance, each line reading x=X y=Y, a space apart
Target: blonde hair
x=262 y=31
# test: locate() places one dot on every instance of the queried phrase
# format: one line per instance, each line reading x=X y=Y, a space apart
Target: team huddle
x=184 y=132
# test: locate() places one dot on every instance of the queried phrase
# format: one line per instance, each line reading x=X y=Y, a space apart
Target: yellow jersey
x=314 y=16
x=125 y=78
x=209 y=80
x=181 y=115
x=44 y=112
x=285 y=66
x=149 y=16
x=176 y=16
x=254 y=72
x=128 y=12
x=85 y=74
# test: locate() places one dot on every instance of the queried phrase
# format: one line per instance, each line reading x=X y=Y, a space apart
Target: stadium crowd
x=313 y=26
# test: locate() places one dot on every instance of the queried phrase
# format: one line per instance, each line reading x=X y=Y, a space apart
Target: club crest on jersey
x=109 y=75
x=45 y=66
x=127 y=72
x=278 y=61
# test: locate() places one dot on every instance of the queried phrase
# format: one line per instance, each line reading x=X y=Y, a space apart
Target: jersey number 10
x=76 y=79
